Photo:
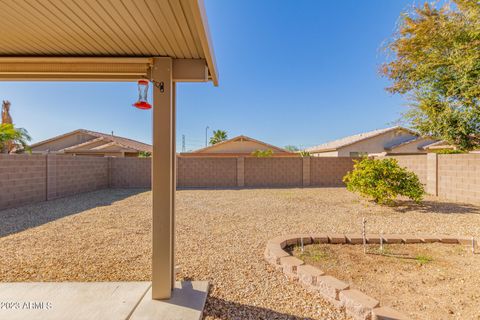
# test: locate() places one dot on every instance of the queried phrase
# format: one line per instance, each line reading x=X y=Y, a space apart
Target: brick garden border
x=357 y=305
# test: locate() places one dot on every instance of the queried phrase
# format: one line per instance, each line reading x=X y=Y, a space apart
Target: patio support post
x=163 y=179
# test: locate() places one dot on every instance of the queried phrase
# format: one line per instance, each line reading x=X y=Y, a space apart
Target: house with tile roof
x=238 y=146
x=388 y=141
x=91 y=143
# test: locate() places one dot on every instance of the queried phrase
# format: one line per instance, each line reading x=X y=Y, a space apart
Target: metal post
x=364 y=222
x=206 y=135
x=163 y=179
x=381 y=241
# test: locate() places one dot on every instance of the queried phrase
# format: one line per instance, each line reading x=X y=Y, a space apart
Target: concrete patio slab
x=187 y=303
x=99 y=300
x=70 y=300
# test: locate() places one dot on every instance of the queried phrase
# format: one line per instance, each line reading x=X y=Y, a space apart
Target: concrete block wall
x=206 y=172
x=453 y=177
x=273 y=172
x=130 y=172
x=329 y=172
x=70 y=175
x=31 y=178
x=415 y=163
x=22 y=179
x=459 y=177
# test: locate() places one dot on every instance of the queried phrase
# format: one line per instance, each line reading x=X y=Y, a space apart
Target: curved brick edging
x=357 y=305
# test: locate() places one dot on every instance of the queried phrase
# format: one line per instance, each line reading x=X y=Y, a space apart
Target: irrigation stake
x=364 y=222
x=381 y=241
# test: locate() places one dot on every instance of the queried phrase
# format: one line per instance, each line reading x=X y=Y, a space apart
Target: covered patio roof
x=128 y=29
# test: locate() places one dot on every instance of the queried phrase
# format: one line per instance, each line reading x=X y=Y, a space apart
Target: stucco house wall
x=244 y=146
x=412 y=147
x=325 y=154
x=63 y=142
x=376 y=144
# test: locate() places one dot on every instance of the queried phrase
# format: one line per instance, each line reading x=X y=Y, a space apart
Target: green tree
x=435 y=61
x=218 y=136
x=291 y=148
x=12 y=138
x=383 y=180
x=262 y=153
x=144 y=154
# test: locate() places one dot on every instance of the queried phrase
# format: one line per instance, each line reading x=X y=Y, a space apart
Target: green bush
x=262 y=153
x=449 y=151
x=383 y=180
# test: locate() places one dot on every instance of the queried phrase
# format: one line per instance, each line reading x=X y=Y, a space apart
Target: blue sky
x=291 y=73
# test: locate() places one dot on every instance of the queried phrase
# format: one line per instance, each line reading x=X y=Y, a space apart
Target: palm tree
x=12 y=138
x=218 y=136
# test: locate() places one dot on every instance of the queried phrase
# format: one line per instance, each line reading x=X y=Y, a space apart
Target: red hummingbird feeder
x=142 y=102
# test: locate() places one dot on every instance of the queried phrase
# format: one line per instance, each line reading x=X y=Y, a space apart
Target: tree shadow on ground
x=228 y=310
x=437 y=206
x=29 y=216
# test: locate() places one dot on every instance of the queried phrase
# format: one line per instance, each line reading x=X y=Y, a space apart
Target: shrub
x=449 y=151
x=383 y=180
x=262 y=153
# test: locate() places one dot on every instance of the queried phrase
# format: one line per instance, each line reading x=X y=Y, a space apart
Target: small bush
x=449 y=151
x=383 y=180
x=423 y=259
x=262 y=153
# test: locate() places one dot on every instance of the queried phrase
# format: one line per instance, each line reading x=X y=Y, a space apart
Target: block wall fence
x=32 y=178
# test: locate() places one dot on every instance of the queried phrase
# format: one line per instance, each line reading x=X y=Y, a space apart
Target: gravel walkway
x=221 y=236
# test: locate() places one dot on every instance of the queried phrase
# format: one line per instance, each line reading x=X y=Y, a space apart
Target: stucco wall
x=413 y=147
x=326 y=154
x=245 y=146
x=376 y=144
x=64 y=142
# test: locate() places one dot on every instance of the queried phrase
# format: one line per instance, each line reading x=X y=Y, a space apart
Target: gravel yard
x=221 y=236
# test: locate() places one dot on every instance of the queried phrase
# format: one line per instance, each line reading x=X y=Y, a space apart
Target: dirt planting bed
x=425 y=281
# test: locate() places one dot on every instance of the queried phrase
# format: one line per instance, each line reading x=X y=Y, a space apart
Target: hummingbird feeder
x=142 y=102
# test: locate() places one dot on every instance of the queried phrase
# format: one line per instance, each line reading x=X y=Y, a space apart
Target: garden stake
x=381 y=241
x=364 y=221
x=301 y=243
x=473 y=245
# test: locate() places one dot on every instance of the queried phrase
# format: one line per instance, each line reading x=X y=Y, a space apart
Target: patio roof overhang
x=94 y=40
x=166 y=41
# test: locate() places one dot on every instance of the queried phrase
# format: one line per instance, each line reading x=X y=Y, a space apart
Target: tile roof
x=99 y=136
x=343 y=142
x=241 y=137
x=124 y=142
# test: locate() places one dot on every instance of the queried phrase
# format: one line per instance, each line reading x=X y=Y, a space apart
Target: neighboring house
x=238 y=146
x=440 y=146
x=393 y=140
x=86 y=142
